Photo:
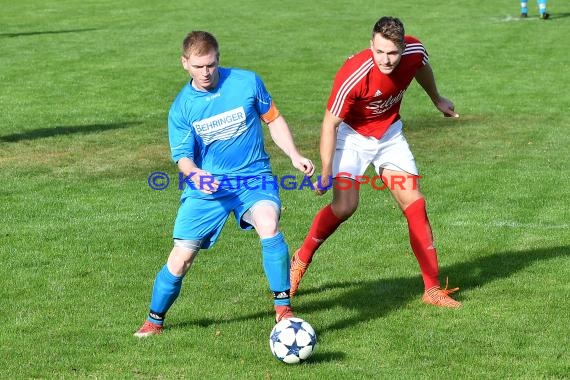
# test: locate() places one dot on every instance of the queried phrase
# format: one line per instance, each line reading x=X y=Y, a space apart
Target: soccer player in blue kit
x=216 y=139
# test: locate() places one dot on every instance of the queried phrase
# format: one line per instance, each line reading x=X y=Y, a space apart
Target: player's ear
x=184 y=62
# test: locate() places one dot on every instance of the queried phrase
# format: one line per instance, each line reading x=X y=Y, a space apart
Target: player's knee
x=267 y=227
x=405 y=201
x=182 y=255
x=264 y=217
x=344 y=210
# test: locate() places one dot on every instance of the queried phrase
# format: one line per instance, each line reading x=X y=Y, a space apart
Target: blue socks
x=276 y=265
x=165 y=291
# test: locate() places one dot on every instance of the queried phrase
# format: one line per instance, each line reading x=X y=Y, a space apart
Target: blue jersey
x=220 y=129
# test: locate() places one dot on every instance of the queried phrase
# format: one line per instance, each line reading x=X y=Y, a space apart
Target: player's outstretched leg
x=323 y=226
x=165 y=291
x=275 y=254
x=421 y=240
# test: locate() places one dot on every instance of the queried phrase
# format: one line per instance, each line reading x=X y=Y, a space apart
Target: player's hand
x=322 y=184
x=304 y=165
x=205 y=181
x=446 y=107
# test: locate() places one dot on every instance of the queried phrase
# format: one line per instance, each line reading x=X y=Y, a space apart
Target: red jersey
x=368 y=100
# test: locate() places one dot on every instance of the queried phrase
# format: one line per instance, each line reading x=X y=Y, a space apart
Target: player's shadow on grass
x=554 y=16
x=61 y=130
x=375 y=299
x=24 y=34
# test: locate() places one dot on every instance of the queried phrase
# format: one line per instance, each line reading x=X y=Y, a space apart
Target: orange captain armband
x=270 y=115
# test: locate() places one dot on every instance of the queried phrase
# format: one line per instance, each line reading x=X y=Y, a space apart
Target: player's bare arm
x=426 y=79
x=281 y=135
x=206 y=185
x=327 y=147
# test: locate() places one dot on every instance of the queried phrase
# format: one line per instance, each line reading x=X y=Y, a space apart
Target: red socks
x=421 y=240
x=324 y=224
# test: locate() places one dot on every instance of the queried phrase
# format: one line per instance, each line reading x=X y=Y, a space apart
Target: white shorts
x=355 y=152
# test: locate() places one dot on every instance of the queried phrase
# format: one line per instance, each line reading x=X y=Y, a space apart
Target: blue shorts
x=202 y=216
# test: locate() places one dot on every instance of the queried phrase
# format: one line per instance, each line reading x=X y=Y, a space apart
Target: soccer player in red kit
x=362 y=127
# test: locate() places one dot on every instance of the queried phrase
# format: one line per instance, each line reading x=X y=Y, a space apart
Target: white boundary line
x=509 y=18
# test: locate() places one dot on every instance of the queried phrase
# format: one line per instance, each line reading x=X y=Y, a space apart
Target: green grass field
x=85 y=91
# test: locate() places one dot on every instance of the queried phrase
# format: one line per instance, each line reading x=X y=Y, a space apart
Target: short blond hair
x=199 y=43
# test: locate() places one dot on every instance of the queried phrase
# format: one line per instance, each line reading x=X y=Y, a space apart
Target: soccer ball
x=292 y=340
